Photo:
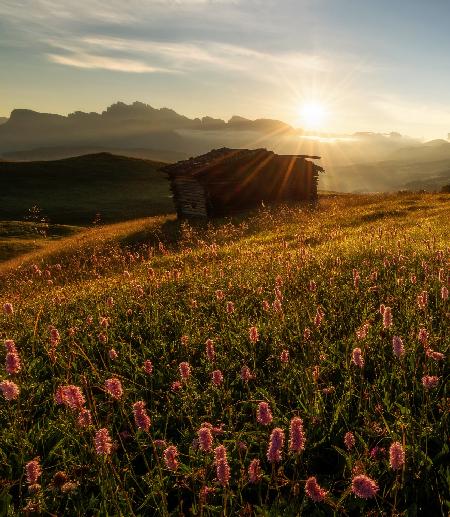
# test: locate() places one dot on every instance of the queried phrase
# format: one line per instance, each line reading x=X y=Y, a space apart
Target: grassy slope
x=21 y=237
x=393 y=235
x=74 y=190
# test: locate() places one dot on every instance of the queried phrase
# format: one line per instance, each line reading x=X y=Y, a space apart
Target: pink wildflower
x=8 y=309
x=102 y=442
x=185 y=370
x=357 y=358
x=246 y=374
x=362 y=332
x=71 y=396
x=277 y=305
x=387 y=317
x=275 y=445
x=55 y=338
x=284 y=356
x=175 y=386
x=114 y=387
x=219 y=294
x=205 y=438
x=364 y=487
x=396 y=456
x=349 y=440
x=437 y=356
x=314 y=491
x=278 y=294
x=217 y=377
x=423 y=337
x=10 y=390
x=184 y=340
x=223 y=472
x=33 y=471
x=210 y=352
x=306 y=334
x=12 y=363
x=222 y=467
x=444 y=293
x=10 y=346
x=103 y=338
x=84 y=418
x=316 y=373
x=254 y=471
x=430 y=381
x=397 y=346
x=113 y=355
x=264 y=414
x=296 y=435
x=230 y=307
x=148 y=367
x=422 y=300
x=253 y=335
x=170 y=457
x=382 y=309
x=312 y=286
x=141 y=418
x=318 y=318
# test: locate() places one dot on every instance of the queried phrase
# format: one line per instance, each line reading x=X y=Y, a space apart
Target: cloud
x=91 y=61
x=176 y=57
x=184 y=36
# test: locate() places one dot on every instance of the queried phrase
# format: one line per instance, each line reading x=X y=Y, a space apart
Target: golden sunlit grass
x=140 y=287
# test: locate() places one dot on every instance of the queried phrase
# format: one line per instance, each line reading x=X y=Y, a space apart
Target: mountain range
x=121 y=126
x=363 y=161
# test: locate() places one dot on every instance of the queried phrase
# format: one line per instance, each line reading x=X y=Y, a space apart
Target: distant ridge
x=121 y=125
x=56 y=153
x=74 y=190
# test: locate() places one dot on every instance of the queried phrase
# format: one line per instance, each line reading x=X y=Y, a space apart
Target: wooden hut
x=225 y=180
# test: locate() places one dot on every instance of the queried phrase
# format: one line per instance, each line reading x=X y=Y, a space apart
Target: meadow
x=289 y=361
x=44 y=201
x=77 y=191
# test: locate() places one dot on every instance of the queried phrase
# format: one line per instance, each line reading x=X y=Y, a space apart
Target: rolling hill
x=76 y=191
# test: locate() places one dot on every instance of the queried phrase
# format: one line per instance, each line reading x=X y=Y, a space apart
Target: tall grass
x=290 y=273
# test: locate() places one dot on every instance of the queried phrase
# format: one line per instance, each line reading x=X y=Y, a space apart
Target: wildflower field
x=292 y=361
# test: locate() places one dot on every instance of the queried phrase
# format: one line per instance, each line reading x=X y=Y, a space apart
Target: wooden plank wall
x=189 y=197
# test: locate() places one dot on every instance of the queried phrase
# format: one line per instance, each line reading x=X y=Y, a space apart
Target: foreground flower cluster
x=303 y=371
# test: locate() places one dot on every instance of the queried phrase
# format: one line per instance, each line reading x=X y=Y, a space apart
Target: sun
x=312 y=115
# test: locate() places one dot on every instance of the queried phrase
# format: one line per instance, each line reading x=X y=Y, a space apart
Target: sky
x=368 y=65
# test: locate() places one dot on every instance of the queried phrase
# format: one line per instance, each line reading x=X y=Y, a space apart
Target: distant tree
x=446 y=189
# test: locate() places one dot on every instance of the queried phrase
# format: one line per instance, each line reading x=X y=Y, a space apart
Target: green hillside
x=74 y=190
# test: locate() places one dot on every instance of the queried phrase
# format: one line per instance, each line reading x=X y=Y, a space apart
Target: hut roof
x=213 y=165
